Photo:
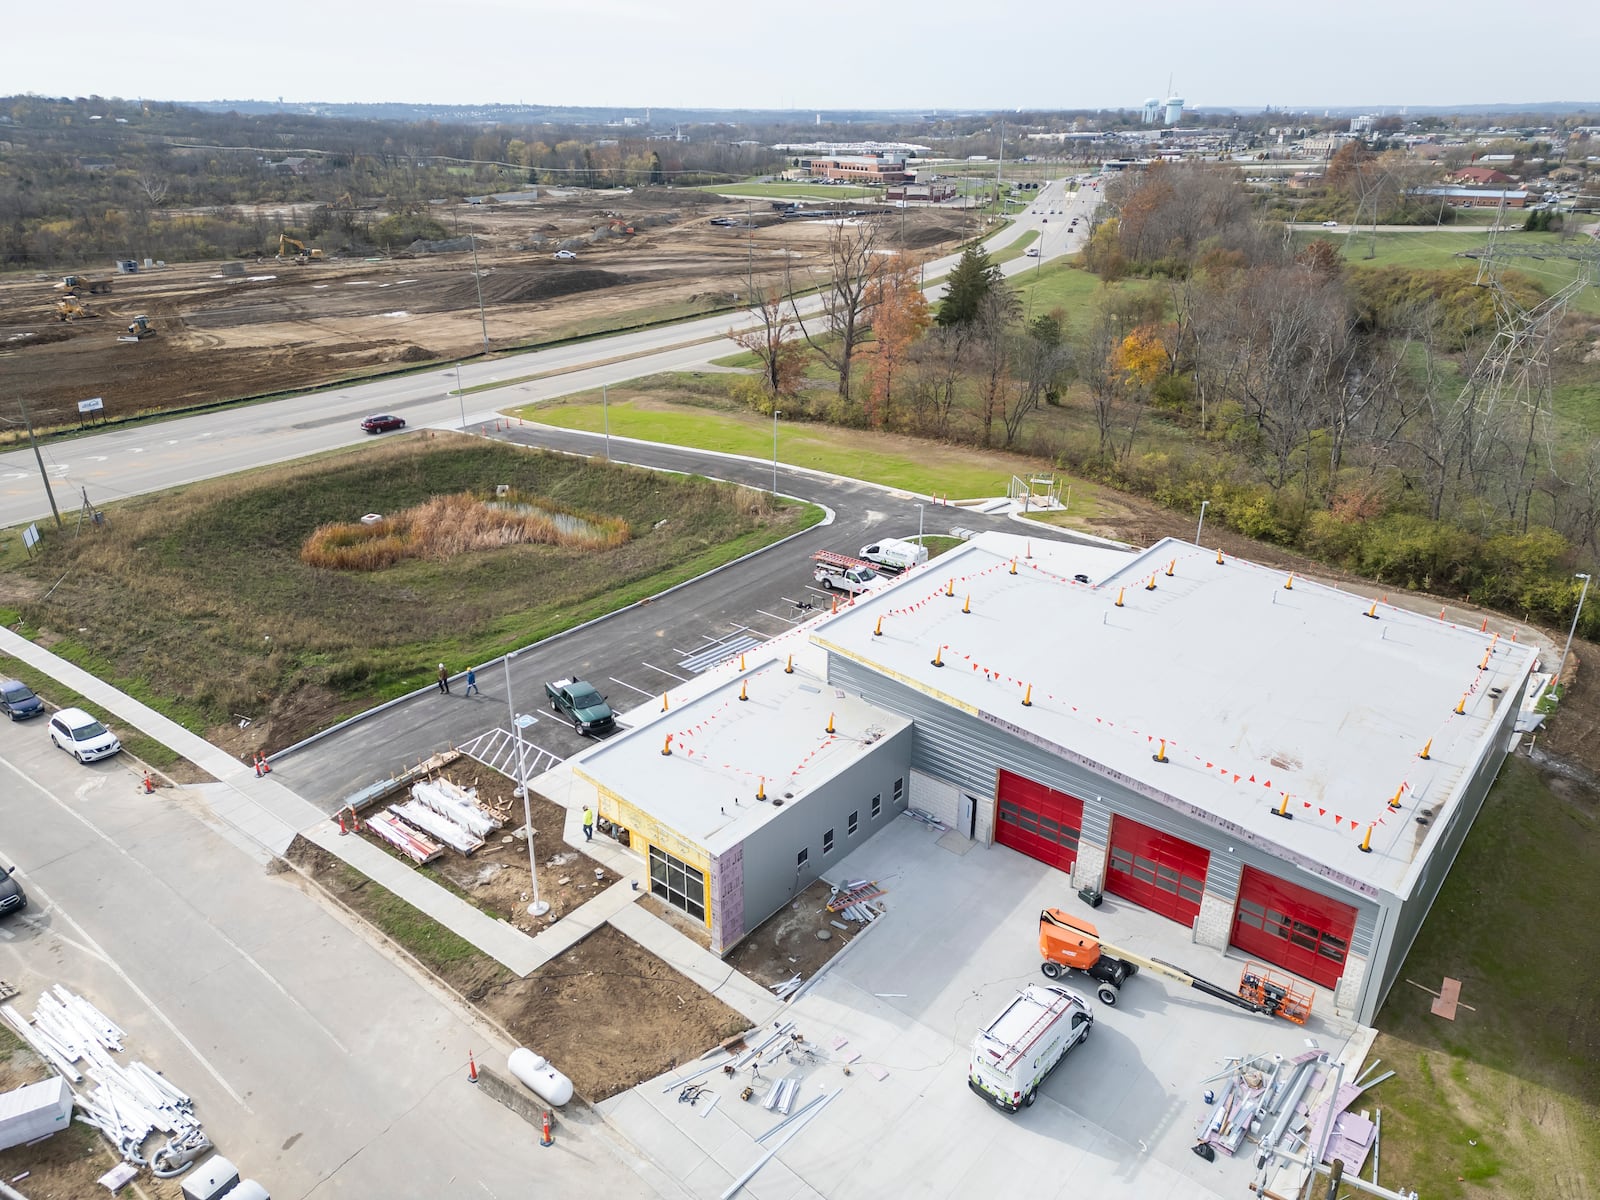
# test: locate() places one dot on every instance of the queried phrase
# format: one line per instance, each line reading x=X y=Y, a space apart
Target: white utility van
x=1015 y=1051
x=894 y=554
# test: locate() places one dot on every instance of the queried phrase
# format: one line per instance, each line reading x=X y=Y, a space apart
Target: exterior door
x=1039 y=821
x=1293 y=927
x=1156 y=870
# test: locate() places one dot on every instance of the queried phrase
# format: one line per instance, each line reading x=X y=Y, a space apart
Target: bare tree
x=856 y=266
x=772 y=341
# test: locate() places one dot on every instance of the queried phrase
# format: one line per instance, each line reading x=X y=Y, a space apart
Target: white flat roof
x=1258 y=689
x=723 y=748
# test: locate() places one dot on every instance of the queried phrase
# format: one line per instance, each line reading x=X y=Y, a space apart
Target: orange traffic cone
x=339 y=817
x=547 y=1140
x=149 y=788
x=472 y=1069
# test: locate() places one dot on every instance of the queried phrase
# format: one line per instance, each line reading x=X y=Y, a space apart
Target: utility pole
x=1000 y=167
x=477 y=278
x=39 y=458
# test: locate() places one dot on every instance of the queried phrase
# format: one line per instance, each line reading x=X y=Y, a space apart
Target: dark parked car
x=382 y=423
x=18 y=701
x=586 y=707
x=12 y=897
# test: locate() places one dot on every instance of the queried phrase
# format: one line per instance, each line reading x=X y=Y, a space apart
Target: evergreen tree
x=973 y=279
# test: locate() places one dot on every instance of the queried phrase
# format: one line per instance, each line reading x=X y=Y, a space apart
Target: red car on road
x=382 y=423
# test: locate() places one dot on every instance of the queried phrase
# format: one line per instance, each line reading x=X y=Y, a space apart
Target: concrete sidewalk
x=263 y=816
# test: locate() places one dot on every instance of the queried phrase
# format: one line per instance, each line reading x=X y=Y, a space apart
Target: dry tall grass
x=448 y=526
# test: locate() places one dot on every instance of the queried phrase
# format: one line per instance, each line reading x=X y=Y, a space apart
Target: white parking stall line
x=629 y=686
x=667 y=673
x=776 y=617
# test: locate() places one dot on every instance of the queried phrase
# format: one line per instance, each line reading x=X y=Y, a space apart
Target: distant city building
x=1361 y=126
x=1471 y=197
x=1174 y=109
x=921 y=193
x=1479 y=177
x=857 y=168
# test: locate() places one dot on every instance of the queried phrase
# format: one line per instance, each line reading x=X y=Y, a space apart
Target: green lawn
x=915 y=466
x=790 y=191
x=1514 y=1073
x=1426 y=249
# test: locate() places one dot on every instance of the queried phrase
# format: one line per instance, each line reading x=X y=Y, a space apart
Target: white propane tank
x=548 y=1083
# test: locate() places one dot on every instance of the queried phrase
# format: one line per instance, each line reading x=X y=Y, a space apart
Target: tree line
x=1383 y=421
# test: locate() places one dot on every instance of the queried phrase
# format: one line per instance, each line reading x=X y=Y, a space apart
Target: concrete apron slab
x=1116 y=1119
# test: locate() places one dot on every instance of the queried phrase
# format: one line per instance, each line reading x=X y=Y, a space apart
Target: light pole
x=919 y=524
x=519 y=722
x=461 y=396
x=1202 y=523
x=775 y=415
x=477 y=278
x=605 y=415
x=1574 y=628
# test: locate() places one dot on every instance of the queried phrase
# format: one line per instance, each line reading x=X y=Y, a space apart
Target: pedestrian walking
x=588 y=823
x=444 y=680
x=472 y=681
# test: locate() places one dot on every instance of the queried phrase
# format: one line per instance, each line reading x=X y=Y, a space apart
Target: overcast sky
x=811 y=54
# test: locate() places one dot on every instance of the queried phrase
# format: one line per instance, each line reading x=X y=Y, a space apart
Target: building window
x=676 y=882
x=877 y=805
x=899 y=789
x=827 y=842
x=851 y=828
x=800 y=859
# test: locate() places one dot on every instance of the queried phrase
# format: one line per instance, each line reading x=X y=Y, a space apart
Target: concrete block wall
x=935 y=796
x=1347 y=996
x=1089 y=870
x=1214 y=925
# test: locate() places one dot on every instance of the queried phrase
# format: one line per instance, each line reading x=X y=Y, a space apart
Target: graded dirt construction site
x=223 y=330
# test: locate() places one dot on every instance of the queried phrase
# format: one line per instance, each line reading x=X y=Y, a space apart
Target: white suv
x=81 y=736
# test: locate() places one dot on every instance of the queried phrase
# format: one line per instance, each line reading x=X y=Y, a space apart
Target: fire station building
x=1286 y=768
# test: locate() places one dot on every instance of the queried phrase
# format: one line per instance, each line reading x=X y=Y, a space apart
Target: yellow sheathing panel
x=910 y=681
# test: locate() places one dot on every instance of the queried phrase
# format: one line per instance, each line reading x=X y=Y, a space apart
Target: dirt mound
x=415 y=353
x=520 y=285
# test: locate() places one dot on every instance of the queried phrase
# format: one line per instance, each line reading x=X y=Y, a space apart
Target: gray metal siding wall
x=954 y=746
x=1458 y=824
x=771 y=879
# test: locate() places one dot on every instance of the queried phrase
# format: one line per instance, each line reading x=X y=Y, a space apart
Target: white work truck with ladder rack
x=1014 y=1052
x=840 y=572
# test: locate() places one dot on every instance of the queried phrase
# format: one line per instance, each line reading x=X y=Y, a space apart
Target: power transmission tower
x=1512 y=381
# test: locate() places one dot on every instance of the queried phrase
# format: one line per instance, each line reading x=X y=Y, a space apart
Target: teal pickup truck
x=586 y=708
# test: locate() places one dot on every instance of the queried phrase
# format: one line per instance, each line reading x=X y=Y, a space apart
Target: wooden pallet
x=6 y=990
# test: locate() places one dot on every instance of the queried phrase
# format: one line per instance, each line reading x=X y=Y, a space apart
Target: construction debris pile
x=439 y=814
x=1263 y=1098
x=126 y=1103
x=805 y=1069
x=851 y=901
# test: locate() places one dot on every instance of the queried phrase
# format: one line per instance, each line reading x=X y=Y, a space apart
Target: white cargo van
x=894 y=554
x=1015 y=1051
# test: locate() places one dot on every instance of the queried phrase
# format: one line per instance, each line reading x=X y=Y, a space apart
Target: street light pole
x=1202 y=523
x=775 y=415
x=461 y=396
x=919 y=524
x=605 y=413
x=1574 y=628
x=539 y=907
x=477 y=278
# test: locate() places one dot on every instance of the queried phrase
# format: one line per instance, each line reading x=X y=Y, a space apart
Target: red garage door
x=1039 y=821
x=1293 y=927
x=1160 y=872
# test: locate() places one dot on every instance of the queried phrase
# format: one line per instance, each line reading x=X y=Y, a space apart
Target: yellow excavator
x=303 y=254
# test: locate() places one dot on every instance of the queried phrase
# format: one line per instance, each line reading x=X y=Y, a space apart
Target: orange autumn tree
x=900 y=316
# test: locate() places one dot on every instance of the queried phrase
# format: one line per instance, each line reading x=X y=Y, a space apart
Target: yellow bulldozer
x=69 y=308
x=302 y=253
x=138 y=330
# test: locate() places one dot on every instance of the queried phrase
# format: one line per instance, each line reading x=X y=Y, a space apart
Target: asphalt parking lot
x=1116 y=1119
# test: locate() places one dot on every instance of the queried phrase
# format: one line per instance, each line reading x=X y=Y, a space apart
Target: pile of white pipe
x=440 y=826
x=455 y=803
x=127 y=1103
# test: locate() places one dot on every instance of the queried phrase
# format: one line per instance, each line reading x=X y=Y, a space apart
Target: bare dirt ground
x=786 y=943
x=279 y=326
x=606 y=1012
